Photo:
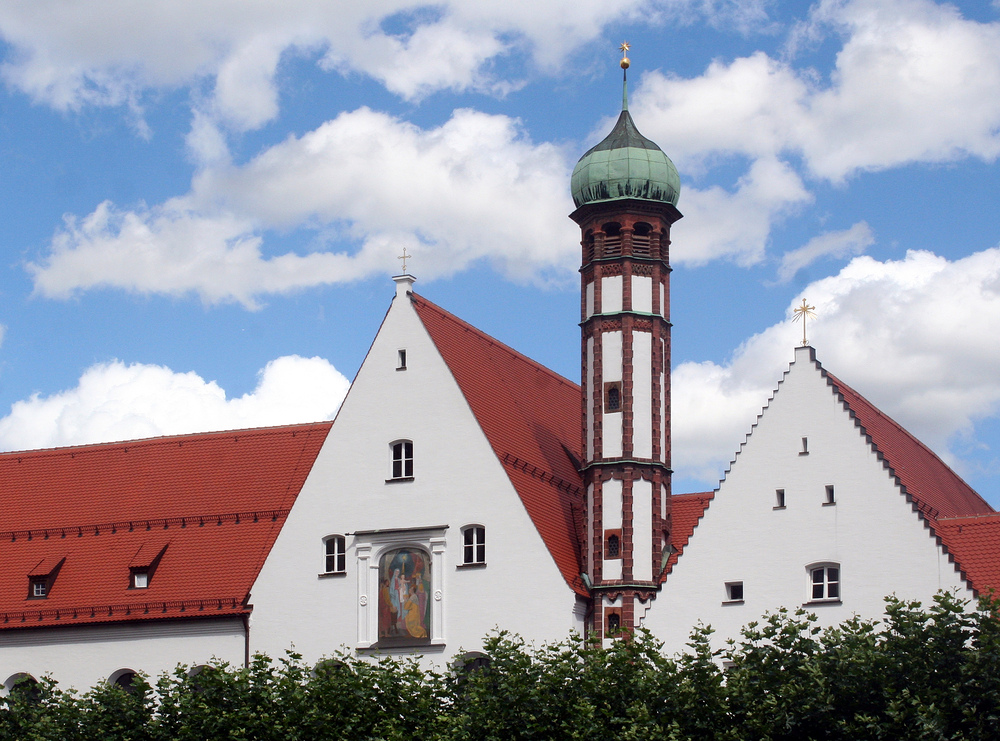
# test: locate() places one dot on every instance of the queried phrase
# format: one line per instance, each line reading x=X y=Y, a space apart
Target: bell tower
x=625 y=190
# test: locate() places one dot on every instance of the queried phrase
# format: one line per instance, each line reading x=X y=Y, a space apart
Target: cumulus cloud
x=913 y=82
x=115 y=401
x=851 y=241
x=445 y=193
x=74 y=53
x=892 y=330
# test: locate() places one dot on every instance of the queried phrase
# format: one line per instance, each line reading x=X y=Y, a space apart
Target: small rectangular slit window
x=401 y=360
x=734 y=591
x=830 y=496
x=805 y=446
x=779 y=499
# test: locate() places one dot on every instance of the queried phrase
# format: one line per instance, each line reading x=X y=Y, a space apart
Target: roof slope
x=934 y=487
x=974 y=542
x=531 y=417
x=180 y=506
x=686 y=511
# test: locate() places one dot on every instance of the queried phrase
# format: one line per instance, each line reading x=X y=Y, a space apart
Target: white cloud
x=915 y=336
x=114 y=401
x=851 y=241
x=446 y=193
x=72 y=53
x=913 y=82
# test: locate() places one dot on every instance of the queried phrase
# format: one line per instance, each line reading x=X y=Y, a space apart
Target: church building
x=464 y=488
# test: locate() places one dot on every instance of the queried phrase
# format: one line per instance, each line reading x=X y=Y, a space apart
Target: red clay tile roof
x=531 y=416
x=212 y=504
x=936 y=489
x=974 y=542
x=686 y=510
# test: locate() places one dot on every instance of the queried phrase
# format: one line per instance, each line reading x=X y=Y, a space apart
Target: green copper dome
x=625 y=165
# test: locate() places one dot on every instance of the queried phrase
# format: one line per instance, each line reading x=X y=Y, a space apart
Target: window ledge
x=472 y=565
x=400 y=480
x=779 y=507
x=803 y=452
x=402 y=368
x=732 y=602
x=819 y=602
x=331 y=574
x=829 y=504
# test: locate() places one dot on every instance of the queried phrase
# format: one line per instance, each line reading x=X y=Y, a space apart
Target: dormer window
x=43 y=576
x=140 y=579
x=143 y=566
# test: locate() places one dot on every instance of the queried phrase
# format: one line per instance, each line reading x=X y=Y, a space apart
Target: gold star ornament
x=625 y=46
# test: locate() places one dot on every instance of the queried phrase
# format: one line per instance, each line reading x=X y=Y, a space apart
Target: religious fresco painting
x=404 y=611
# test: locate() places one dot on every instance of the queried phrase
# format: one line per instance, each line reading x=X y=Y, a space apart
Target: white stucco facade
x=457 y=481
x=84 y=655
x=804 y=442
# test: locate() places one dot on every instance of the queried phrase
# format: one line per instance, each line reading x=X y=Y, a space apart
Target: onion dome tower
x=625 y=190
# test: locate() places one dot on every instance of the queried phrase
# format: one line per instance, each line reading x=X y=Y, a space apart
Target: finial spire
x=625 y=46
x=802 y=312
x=404 y=257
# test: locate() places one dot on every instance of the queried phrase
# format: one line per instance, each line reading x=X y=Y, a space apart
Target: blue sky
x=202 y=202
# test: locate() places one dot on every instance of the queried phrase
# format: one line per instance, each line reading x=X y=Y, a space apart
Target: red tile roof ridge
x=976 y=519
x=932 y=502
x=162 y=440
x=416 y=298
x=96 y=528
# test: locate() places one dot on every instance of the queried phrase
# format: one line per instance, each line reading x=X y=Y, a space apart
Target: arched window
x=335 y=552
x=124 y=678
x=614 y=623
x=613 y=543
x=824 y=582
x=473 y=545
x=23 y=684
x=402 y=460
x=404 y=597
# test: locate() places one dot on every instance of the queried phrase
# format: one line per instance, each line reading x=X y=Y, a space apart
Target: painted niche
x=404 y=611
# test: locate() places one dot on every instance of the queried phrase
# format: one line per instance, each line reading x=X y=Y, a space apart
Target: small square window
x=140 y=579
x=734 y=591
x=39 y=588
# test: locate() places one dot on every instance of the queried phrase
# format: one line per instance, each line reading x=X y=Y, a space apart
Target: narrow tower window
x=613 y=544
x=613 y=396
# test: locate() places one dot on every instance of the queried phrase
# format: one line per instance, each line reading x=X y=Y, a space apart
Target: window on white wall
x=734 y=591
x=474 y=545
x=831 y=497
x=402 y=460
x=824 y=582
x=335 y=547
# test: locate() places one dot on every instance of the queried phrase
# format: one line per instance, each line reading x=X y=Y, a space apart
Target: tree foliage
x=920 y=673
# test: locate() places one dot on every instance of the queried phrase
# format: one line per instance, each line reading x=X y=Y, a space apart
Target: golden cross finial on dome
x=802 y=312
x=625 y=46
x=404 y=257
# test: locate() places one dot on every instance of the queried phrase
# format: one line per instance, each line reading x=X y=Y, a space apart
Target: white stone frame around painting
x=369 y=546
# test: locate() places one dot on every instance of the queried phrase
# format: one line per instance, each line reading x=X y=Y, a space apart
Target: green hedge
x=918 y=674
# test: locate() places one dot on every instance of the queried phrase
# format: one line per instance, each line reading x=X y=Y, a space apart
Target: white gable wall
x=880 y=544
x=457 y=481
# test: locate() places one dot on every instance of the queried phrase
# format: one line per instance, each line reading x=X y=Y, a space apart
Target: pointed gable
x=934 y=487
x=203 y=509
x=531 y=417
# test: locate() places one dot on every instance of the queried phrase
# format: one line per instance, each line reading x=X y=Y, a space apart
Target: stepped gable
x=198 y=512
x=974 y=542
x=686 y=511
x=531 y=417
x=936 y=489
